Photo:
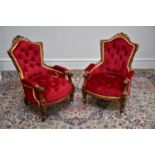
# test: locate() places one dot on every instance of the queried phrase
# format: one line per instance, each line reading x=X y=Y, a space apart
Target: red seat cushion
x=56 y=88
x=105 y=85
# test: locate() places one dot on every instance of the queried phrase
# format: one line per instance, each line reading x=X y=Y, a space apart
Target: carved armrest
x=64 y=71
x=88 y=69
x=60 y=68
x=32 y=84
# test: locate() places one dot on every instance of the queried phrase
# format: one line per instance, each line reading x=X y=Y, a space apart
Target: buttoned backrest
x=117 y=55
x=28 y=58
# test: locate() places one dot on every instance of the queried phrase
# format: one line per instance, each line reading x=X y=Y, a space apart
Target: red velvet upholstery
x=55 y=88
x=33 y=72
x=90 y=67
x=28 y=56
x=107 y=77
x=60 y=68
x=105 y=85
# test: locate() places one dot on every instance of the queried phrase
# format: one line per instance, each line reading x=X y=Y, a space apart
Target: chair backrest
x=27 y=57
x=117 y=53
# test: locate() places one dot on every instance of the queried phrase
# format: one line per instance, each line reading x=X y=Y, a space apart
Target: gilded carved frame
x=135 y=48
x=41 y=101
x=127 y=39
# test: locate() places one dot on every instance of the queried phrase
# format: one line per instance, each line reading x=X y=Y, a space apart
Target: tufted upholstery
x=28 y=59
x=55 y=88
x=107 y=77
x=106 y=85
x=28 y=56
x=117 y=53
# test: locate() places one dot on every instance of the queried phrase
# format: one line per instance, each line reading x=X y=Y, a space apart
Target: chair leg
x=43 y=114
x=72 y=95
x=84 y=93
x=122 y=102
x=26 y=101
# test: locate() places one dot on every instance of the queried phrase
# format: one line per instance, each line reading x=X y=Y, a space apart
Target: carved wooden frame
x=40 y=89
x=126 y=82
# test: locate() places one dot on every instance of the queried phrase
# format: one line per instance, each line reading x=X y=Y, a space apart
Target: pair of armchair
x=44 y=85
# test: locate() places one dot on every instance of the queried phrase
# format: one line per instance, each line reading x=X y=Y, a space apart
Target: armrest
x=89 y=68
x=29 y=82
x=32 y=84
x=60 y=68
x=64 y=70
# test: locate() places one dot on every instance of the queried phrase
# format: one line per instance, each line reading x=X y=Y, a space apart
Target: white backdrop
x=77 y=46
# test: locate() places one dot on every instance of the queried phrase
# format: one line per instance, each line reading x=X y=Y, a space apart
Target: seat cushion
x=105 y=85
x=56 y=88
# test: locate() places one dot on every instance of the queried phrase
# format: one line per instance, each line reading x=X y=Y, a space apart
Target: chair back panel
x=117 y=54
x=28 y=58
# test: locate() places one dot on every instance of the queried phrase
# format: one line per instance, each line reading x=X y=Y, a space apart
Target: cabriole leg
x=72 y=95
x=84 y=93
x=25 y=101
x=122 y=102
x=43 y=114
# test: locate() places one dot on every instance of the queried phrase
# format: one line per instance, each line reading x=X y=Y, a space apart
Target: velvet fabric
x=90 y=67
x=28 y=56
x=105 y=85
x=60 y=68
x=55 y=88
x=106 y=78
x=116 y=54
x=29 y=83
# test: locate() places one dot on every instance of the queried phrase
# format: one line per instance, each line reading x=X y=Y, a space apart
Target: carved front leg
x=72 y=95
x=125 y=93
x=122 y=102
x=69 y=74
x=42 y=111
x=26 y=101
x=84 y=94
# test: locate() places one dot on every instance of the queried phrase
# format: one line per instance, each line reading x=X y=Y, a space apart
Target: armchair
x=110 y=78
x=43 y=85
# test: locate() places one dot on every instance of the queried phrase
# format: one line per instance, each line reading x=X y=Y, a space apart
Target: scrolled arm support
x=87 y=70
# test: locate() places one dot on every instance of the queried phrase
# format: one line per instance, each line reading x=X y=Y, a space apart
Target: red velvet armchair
x=110 y=78
x=43 y=85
